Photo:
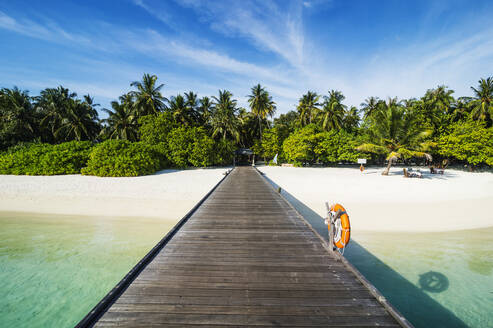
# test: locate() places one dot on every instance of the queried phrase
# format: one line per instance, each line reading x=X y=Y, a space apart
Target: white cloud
x=266 y=25
x=162 y=13
x=48 y=30
x=455 y=59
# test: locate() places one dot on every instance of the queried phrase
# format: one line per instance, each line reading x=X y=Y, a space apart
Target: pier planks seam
x=243 y=257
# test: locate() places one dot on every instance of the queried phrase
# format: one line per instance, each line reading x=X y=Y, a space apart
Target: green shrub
x=271 y=143
x=122 y=158
x=309 y=145
x=155 y=129
x=300 y=146
x=224 y=152
x=180 y=145
x=468 y=141
x=337 y=146
x=191 y=147
x=46 y=159
x=202 y=154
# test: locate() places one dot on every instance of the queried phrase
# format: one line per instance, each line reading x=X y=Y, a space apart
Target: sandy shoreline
x=168 y=194
x=455 y=201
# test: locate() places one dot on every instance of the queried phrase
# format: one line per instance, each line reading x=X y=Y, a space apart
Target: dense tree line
x=185 y=130
x=434 y=128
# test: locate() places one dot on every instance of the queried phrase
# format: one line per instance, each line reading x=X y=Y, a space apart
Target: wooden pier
x=243 y=257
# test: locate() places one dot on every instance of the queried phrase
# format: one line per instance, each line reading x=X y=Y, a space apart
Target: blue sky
x=362 y=48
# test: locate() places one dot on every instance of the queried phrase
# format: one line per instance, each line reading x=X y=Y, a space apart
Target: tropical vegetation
x=57 y=132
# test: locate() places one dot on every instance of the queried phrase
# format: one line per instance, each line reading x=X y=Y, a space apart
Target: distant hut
x=244 y=156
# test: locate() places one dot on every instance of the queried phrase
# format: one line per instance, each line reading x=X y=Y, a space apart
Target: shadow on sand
x=413 y=302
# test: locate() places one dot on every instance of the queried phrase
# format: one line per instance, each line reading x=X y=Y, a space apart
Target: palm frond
x=393 y=156
x=372 y=148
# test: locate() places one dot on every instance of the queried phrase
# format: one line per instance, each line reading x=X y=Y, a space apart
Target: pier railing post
x=331 y=227
x=331 y=235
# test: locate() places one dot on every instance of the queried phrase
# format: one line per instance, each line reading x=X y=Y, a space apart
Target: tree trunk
x=260 y=128
x=387 y=169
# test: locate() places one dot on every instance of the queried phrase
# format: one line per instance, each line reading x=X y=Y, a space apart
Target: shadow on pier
x=418 y=307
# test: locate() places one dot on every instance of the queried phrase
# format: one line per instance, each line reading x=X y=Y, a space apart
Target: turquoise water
x=54 y=269
x=434 y=279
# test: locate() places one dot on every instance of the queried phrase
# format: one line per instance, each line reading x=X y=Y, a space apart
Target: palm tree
x=192 y=99
x=248 y=128
x=52 y=105
x=122 y=121
x=17 y=117
x=308 y=107
x=333 y=111
x=192 y=104
x=224 y=116
x=370 y=106
x=440 y=97
x=482 y=105
x=180 y=110
x=204 y=110
x=461 y=109
x=436 y=104
x=261 y=105
x=351 y=119
x=90 y=101
x=79 y=123
x=394 y=134
x=148 y=97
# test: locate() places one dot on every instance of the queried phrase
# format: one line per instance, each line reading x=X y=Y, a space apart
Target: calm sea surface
x=54 y=269
x=434 y=279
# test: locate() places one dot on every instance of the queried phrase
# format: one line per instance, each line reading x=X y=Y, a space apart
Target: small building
x=243 y=156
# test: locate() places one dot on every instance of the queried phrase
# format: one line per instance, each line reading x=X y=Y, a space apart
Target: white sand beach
x=456 y=200
x=168 y=194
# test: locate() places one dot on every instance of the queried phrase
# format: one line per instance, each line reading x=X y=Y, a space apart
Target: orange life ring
x=342 y=232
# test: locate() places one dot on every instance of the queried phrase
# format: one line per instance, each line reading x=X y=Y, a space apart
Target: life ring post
x=338 y=217
x=331 y=227
x=331 y=235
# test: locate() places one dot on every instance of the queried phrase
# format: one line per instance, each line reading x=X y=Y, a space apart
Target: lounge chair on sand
x=434 y=170
x=411 y=174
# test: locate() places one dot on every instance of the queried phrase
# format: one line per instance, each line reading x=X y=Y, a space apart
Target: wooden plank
x=349 y=303
x=247 y=319
x=245 y=258
x=251 y=309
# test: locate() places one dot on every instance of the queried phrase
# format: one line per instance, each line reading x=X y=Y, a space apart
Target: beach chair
x=409 y=173
x=434 y=170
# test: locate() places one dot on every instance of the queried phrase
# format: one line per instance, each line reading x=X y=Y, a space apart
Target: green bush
x=155 y=129
x=180 y=145
x=191 y=147
x=122 y=158
x=310 y=145
x=300 y=146
x=202 y=152
x=468 y=141
x=337 y=146
x=224 y=152
x=45 y=159
x=271 y=143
